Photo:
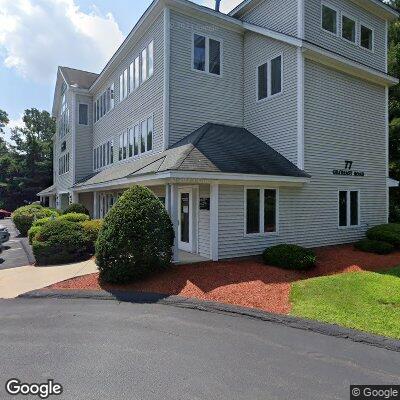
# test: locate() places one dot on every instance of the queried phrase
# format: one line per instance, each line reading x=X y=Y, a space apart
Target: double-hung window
x=123 y=85
x=348 y=28
x=207 y=54
x=349 y=208
x=366 y=37
x=83 y=114
x=329 y=19
x=269 y=78
x=261 y=216
x=103 y=155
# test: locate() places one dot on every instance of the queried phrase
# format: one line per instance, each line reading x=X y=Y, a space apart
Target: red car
x=4 y=214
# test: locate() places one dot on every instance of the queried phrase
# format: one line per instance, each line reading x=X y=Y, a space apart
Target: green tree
x=3 y=122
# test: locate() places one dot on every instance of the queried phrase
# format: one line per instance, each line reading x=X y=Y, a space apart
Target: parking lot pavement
x=16 y=252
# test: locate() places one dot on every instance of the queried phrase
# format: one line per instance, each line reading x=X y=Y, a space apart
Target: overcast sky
x=38 y=35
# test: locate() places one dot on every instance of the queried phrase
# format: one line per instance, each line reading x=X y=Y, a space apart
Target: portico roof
x=213 y=150
x=47 y=192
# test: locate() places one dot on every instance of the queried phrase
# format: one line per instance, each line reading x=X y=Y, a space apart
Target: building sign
x=204 y=203
x=348 y=170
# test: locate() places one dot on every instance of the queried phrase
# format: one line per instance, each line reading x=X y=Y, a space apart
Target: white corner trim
x=167 y=65
x=300 y=19
x=386 y=44
x=73 y=137
x=214 y=200
x=387 y=148
x=300 y=108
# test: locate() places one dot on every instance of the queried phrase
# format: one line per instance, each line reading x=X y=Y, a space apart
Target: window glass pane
x=111 y=152
x=125 y=83
x=348 y=29
x=112 y=95
x=121 y=145
x=215 y=57
x=262 y=81
x=366 y=37
x=353 y=208
x=149 y=134
x=121 y=87
x=329 y=19
x=125 y=146
x=276 y=75
x=104 y=155
x=199 y=53
x=144 y=134
x=136 y=140
x=83 y=114
x=131 y=78
x=253 y=211
x=107 y=153
x=137 y=72
x=94 y=159
x=144 y=65
x=269 y=210
x=342 y=208
x=130 y=142
x=151 y=58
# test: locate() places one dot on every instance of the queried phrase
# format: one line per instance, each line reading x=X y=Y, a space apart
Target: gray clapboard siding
x=273 y=120
x=195 y=97
x=83 y=140
x=315 y=34
x=344 y=120
x=204 y=224
x=277 y=15
x=145 y=101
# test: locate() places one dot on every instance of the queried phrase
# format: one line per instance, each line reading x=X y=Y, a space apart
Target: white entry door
x=185 y=220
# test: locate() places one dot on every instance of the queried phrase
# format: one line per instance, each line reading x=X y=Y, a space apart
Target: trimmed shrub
x=389 y=233
x=74 y=217
x=24 y=217
x=42 y=221
x=136 y=238
x=33 y=232
x=374 y=246
x=289 y=256
x=60 y=242
x=76 y=208
x=91 y=231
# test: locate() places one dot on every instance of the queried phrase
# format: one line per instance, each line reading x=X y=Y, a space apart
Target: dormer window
x=206 y=54
x=329 y=19
x=348 y=29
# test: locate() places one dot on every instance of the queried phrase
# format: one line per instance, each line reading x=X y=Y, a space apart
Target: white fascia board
x=344 y=64
x=273 y=34
x=392 y=182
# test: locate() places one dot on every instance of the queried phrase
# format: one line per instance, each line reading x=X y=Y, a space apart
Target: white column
x=174 y=199
x=75 y=197
x=214 y=199
x=168 y=198
x=95 y=205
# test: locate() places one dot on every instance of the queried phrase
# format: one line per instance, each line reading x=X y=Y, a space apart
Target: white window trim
x=261 y=233
x=88 y=119
x=99 y=146
x=348 y=226
x=351 y=17
x=338 y=26
x=140 y=154
x=64 y=156
x=112 y=103
x=269 y=96
x=361 y=23
x=207 y=61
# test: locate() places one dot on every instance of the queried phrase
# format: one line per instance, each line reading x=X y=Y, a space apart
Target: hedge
x=74 y=217
x=76 y=208
x=389 y=233
x=136 y=238
x=59 y=242
x=289 y=256
x=374 y=246
x=24 y=217
x=91 y=231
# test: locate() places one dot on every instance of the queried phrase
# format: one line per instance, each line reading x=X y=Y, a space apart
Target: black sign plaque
x=204 y=203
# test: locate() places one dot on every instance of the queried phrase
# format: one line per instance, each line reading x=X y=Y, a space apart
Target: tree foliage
x=26 y=166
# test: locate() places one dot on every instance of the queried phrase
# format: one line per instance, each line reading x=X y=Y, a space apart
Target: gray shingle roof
x=50 y=190
x=212 y=148
x=78 y=78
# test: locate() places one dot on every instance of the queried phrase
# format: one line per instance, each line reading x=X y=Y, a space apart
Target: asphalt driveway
x=17 y=251
x=105 y=349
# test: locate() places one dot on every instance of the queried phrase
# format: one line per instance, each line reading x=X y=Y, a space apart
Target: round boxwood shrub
x=389 y=233
x=74 y=217
x=91 y=231
x=136 y=238
x=289 y=256
x=374 y=246
x=24 y=217
x=76 y=208
x=59 y=242
x=33 y=232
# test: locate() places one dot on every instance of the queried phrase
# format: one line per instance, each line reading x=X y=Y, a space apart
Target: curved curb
x=210 y=306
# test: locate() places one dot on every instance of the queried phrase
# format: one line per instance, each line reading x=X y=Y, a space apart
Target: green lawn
x=366 y=301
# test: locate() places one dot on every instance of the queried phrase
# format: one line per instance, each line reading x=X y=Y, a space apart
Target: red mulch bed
x=247 y=283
